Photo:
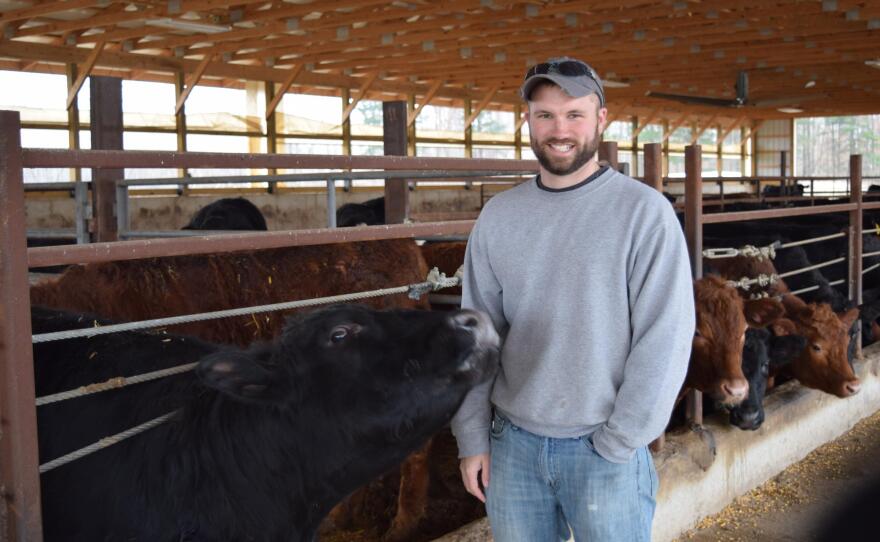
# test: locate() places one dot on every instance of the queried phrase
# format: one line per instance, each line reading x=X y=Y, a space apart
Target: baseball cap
x=576 y=78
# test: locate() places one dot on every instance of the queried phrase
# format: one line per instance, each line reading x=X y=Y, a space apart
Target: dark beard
x=584 y=155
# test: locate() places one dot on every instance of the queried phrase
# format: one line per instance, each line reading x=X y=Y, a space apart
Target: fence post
x=19 y=463
x=608 y=152
x=654 y=179
x=693 y=230
x=855 y=238
x=394 y=128
x=106 y=100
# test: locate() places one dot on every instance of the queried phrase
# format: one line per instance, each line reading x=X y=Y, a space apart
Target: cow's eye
x=816 y=347
x=338 y=333
x=697 y=333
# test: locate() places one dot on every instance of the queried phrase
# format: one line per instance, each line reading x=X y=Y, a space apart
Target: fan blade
x=701 y=100
x=742 y=87
x=787 y=100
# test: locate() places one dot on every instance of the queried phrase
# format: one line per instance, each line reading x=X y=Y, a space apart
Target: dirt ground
x=793 y=505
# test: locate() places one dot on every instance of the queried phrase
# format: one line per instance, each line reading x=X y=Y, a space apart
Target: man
x=585 y=274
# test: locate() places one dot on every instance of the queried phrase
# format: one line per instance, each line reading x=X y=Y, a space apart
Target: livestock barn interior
x=120 y=121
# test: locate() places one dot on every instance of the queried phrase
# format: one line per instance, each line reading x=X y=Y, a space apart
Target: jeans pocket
x=499 y=425
x=587 y=440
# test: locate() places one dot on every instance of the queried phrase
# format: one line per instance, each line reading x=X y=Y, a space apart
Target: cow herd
x=281 y=420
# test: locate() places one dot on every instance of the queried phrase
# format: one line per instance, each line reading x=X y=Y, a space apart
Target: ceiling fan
x=741 y=99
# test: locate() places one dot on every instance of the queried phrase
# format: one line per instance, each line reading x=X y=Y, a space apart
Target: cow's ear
x=783 y=327
x=849 y=317
x=784 y=349
x=238 y=374
x=762 y=312
x=795 y=306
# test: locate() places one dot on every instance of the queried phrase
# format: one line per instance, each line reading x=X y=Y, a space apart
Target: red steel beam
x=19 y=475
x=206 y=244
x=48 y=158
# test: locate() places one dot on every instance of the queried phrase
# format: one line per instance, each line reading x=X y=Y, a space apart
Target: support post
x=608 y=152
x=106 y=101
x=394 y=115
x=693 y=229
x=654 y=165
x=855 y=237
x=19 y=464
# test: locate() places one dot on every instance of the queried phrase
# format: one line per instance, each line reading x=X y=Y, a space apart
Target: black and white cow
x=265 y=441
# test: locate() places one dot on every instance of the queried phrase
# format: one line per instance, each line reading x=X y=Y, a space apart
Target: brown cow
x=160 y=287
x=824 y=363
x=715 y=366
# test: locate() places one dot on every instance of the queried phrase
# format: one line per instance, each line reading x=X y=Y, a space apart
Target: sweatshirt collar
x=601 y=171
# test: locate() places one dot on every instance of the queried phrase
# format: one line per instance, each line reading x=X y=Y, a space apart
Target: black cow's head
x=364 y=388
x=761 y=351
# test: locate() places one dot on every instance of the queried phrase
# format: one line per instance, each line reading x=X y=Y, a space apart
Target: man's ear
x=239 y=375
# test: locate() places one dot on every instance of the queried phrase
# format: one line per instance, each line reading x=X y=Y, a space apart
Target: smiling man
x=585 y=274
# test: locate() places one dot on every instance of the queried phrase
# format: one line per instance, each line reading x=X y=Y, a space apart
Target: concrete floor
x=792 y=505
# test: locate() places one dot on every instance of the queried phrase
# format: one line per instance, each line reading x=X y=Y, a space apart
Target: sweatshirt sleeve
x=482 y=291
x=662 y=322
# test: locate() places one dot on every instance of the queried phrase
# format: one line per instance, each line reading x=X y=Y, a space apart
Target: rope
x=750 y=251
x=113 y=383
x=434 y=282
x=768 y=251
x=811 y=288
x=812 y=240
x=104 y=442
x=810 y=268
x=745 y=283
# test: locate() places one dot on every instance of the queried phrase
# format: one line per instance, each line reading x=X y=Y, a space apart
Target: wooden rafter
x=482 y=105
x=753 y=129
x=285 y=86
x=705 y=126
x=362 y=92
x=644 y=124
x=84 y=72
x=673 y=126
x=736 y=122
x=435 y=87
x=191 y=82
x=520 y=121
x=46 y=8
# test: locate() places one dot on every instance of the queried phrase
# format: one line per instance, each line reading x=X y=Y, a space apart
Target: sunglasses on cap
x=570 y=68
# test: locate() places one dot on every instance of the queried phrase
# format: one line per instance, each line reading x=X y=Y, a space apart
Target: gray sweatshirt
x=590 y=289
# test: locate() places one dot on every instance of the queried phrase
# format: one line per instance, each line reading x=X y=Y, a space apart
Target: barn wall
x=282 y=211
x=694 y=484
x=773 y=137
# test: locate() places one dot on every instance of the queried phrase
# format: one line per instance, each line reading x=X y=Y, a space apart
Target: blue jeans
x=539 y=487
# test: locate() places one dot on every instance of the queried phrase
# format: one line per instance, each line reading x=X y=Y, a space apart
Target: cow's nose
x=466 y=319
x=852 y=387
x=738 y=388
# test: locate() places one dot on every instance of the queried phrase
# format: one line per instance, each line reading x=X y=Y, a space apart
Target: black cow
x=762 y=350
x=264 y=441
x=368 y=213
x=776 y=190
x=228 y=214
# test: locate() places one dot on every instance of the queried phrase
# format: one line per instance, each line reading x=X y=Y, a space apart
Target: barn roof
x=819 y=56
